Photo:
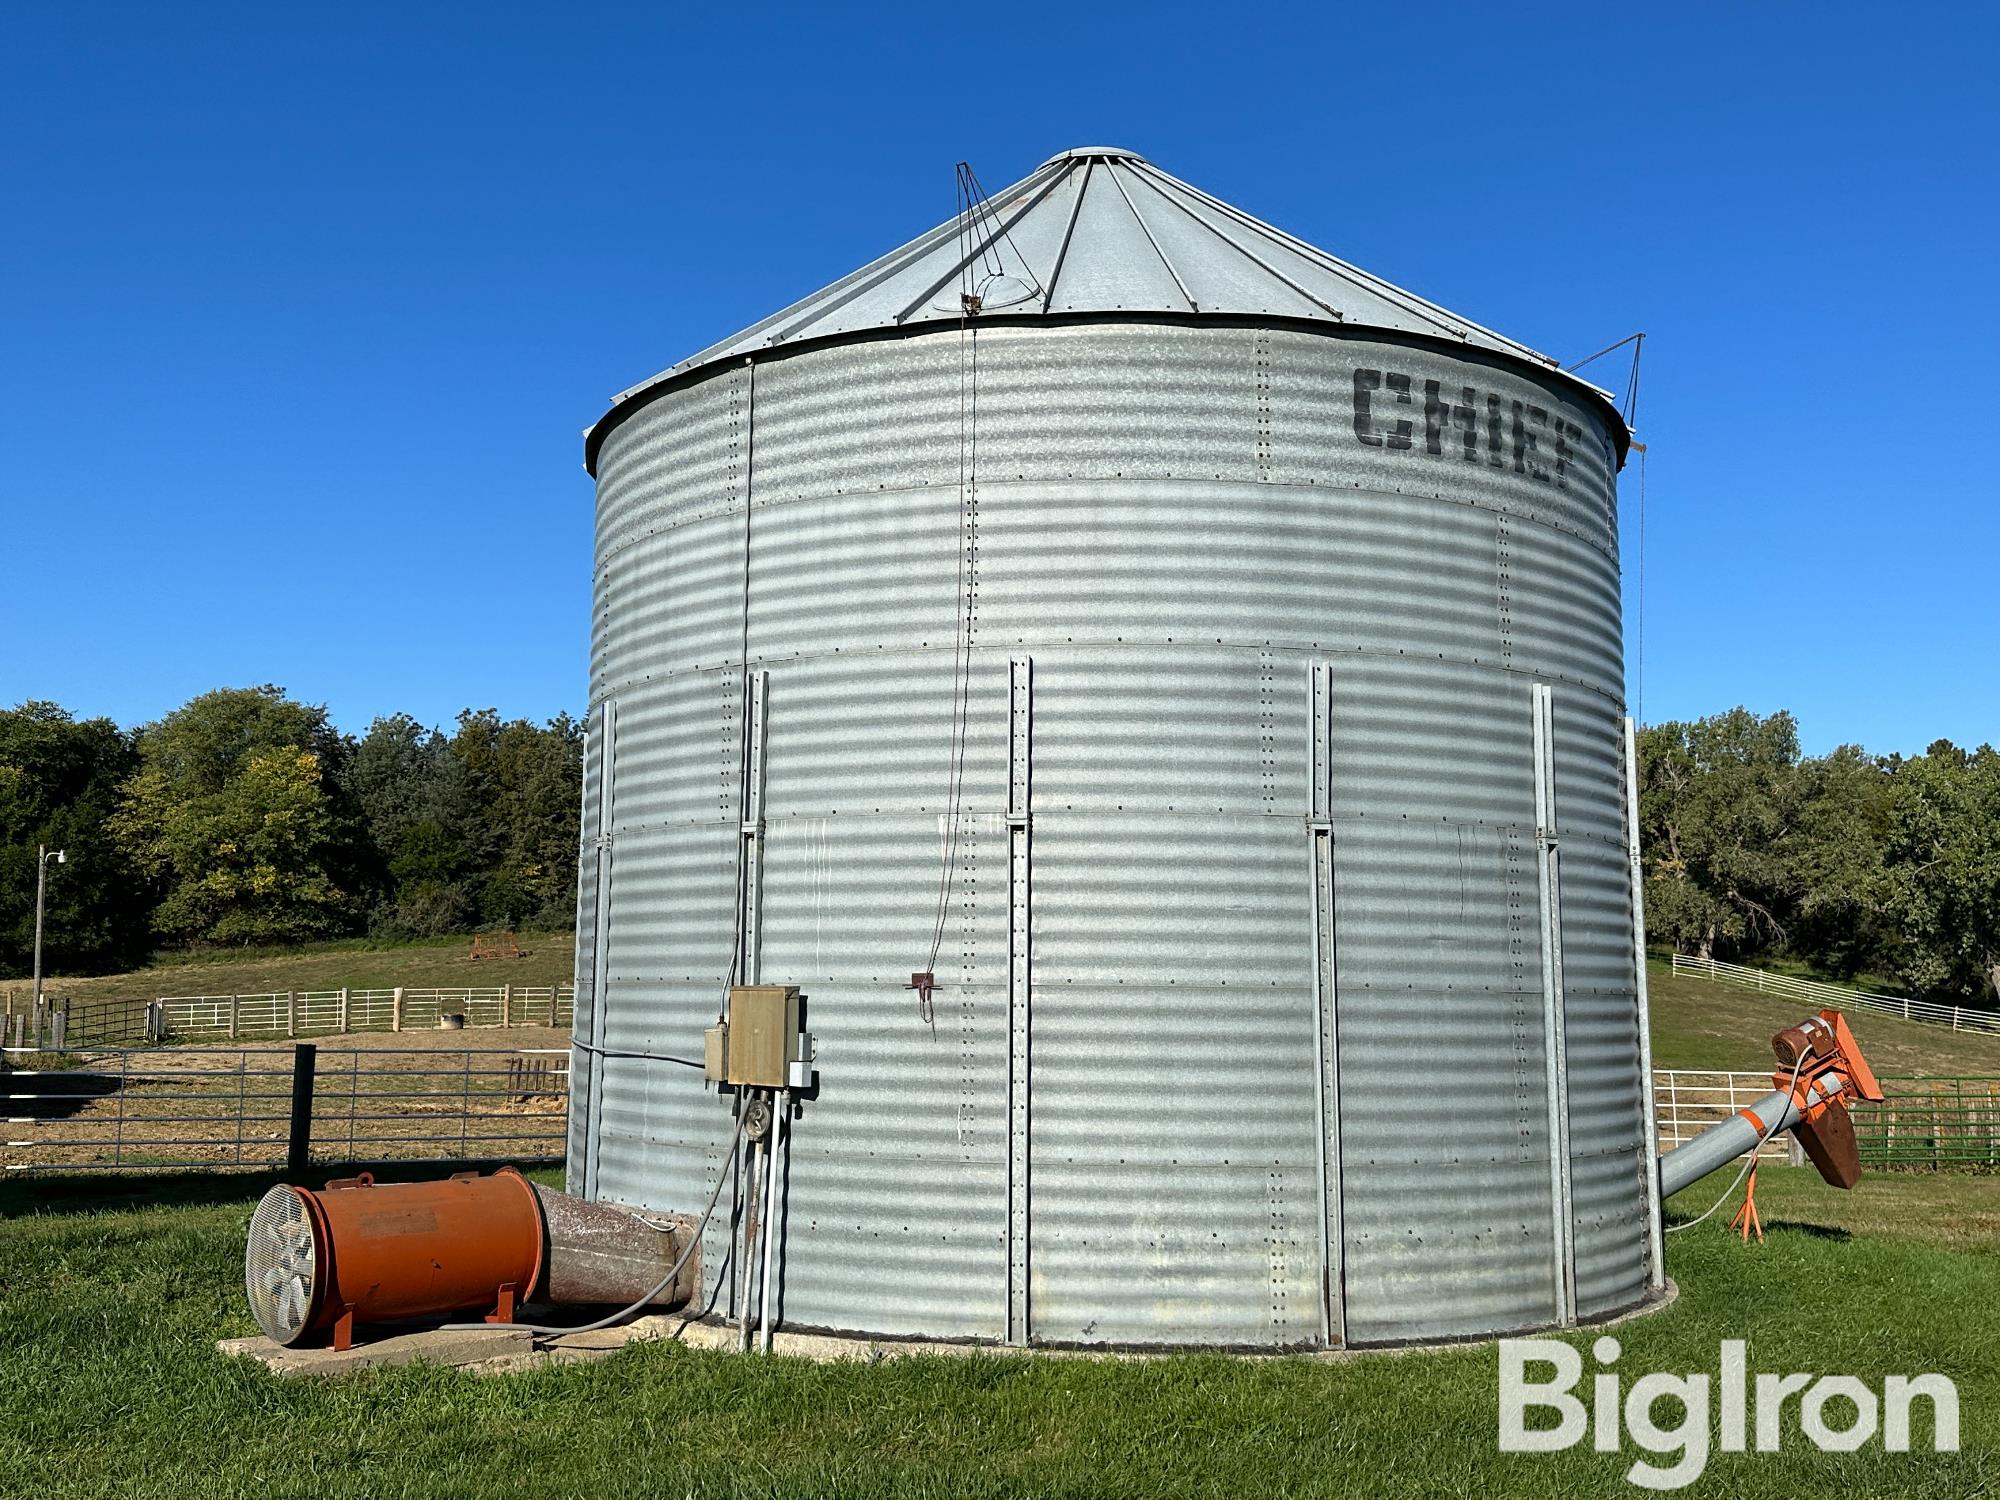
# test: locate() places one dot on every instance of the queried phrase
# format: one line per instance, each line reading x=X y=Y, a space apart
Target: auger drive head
x=1820 y=1065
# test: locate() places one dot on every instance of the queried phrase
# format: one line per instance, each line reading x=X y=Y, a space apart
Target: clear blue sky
x=302 y=308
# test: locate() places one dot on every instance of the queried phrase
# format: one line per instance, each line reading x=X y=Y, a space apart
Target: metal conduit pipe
x=1743 y=1131
x=764 y=1226
x=753 y=1226
x=781 y=1131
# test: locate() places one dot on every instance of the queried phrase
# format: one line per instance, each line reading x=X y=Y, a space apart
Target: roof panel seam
x=1111 y=171
x=1062 y=254
x=1241 y=249
x=1454 y=323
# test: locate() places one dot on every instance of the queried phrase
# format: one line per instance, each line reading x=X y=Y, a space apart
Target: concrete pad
x=437 y=1346
x=652 y=1326
x=501 y=1351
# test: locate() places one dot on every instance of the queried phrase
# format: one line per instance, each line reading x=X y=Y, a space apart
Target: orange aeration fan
x=319 y=1262
x=316 y=1264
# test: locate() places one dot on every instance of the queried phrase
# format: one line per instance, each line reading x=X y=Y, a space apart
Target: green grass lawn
x=113 y=1291
x=112 y=1294
x=1698 y=1024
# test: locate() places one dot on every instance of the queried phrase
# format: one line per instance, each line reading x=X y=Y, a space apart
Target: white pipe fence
x=299 y=1013
x=1814 y=992
x=1688 y=1101
x=1922 y=1122
x=305 y=1012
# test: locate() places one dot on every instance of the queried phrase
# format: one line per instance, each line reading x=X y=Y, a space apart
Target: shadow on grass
x=1829 y=1232
x=121 y=1191
x=1812 y=1231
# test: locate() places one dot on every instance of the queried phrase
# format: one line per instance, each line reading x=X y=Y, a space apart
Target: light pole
x=43 y=854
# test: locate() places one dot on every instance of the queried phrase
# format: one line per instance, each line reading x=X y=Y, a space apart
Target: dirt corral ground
x=429 y=1040
x=472 y=1094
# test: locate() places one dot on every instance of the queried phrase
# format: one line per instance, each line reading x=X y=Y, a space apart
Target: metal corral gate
x=178 y=1107
x=247 y=1107
x=1923 y=1122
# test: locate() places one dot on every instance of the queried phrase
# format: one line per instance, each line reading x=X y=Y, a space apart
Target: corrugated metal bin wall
x=1175 y=525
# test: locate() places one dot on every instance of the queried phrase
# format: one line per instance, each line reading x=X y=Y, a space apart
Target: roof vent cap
x=1114 y=153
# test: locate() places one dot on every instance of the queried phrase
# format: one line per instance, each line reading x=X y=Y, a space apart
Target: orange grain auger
x=1820 y=1072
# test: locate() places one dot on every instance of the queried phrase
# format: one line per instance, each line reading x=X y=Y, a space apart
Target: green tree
x=1943 y=875
x=418 y=873
x=476 y=829
x=519 y=789
x=231 y=812
x=1836 y=856
x=1718 y=802
x=395 y=776
x=59 y=783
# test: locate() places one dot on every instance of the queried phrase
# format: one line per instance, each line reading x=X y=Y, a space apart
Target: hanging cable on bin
x=1639 y=685
x=978 y=264
x=1629 y=409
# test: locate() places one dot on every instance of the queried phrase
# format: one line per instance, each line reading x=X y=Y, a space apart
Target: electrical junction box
x=758 y=1043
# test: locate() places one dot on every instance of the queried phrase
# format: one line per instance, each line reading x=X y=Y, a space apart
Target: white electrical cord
x=596 y=1051
x=1744 y=1170
x=694 y=1239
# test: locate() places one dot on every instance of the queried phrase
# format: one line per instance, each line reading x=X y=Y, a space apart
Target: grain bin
x=1203 y=659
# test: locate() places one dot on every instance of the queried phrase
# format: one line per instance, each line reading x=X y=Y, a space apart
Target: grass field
x=1697 y=1024
x=111 y=1295
x=358 y=963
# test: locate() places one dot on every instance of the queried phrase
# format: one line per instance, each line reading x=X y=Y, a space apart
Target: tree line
x=246 y=817
x=1855 y=864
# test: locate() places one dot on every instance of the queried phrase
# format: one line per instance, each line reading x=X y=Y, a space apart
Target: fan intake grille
x=280 y=1265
